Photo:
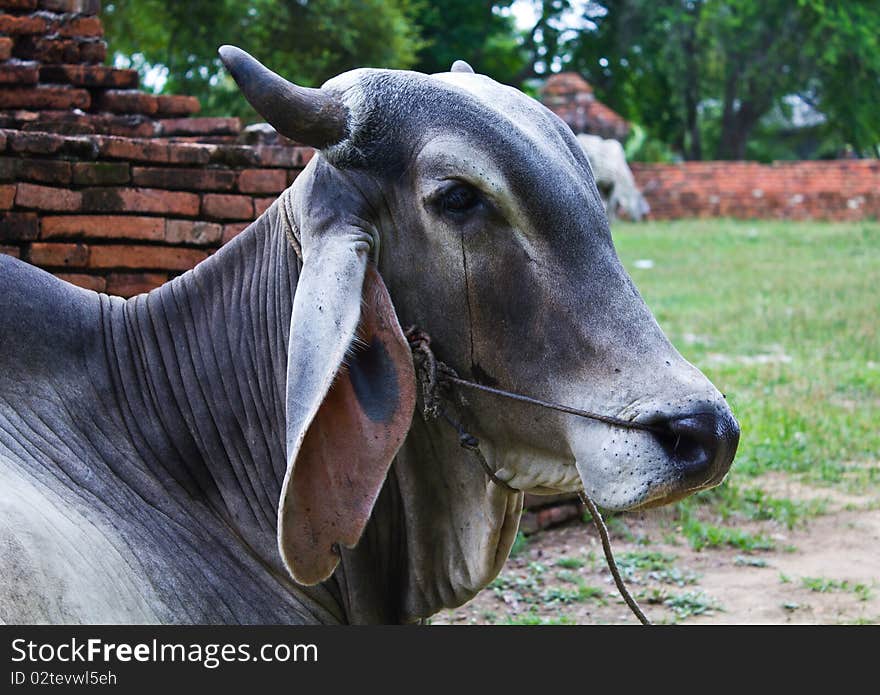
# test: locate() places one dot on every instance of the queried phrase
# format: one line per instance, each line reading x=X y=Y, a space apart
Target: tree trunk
x=692 y=95
x=739 y=117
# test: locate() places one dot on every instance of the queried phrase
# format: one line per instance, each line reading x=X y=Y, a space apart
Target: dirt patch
x=825 y=570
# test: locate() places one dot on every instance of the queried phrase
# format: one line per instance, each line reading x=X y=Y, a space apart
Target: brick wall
x=107 y=186
x=123 y=215
x=844 y=189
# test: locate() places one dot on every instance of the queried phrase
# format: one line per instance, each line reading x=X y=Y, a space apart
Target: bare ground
x=824 y=570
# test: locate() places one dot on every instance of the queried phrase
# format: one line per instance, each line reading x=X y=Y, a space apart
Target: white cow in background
x=614 y=179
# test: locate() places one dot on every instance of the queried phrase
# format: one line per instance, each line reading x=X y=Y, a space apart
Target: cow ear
x=350 y=400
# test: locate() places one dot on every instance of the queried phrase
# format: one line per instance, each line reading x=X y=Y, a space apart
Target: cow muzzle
x=700 y=445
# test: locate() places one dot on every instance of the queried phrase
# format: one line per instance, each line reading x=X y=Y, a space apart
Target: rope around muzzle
x=437 y=380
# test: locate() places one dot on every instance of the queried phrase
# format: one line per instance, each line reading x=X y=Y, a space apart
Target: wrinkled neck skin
x=200 y=368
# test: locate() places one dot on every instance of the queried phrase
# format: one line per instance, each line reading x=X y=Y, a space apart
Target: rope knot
x=432 y=374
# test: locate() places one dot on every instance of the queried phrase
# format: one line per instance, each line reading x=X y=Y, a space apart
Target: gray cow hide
x=142 y=450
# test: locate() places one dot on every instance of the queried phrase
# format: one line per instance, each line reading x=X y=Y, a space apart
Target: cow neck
x=199 y=368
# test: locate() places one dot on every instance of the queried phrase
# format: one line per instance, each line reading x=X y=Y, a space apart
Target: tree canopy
x=701 y=79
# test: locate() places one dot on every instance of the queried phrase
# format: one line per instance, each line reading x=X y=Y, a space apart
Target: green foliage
x=476 y=32
x=307 y=42
x=703 y=79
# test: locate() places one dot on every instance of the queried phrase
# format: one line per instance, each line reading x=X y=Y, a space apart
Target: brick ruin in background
x=103 y=184
x=571 y=97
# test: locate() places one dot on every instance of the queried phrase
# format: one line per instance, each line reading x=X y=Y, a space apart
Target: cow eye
x=459 y=198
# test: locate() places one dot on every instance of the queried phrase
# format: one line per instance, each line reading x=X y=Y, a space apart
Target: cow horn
x=310 y=116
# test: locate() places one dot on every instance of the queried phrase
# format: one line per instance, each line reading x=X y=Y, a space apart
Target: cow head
x=478 y=208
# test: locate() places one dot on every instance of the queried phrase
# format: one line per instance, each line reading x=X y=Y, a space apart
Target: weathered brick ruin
x=118 y=190
x=571 y=97
x=109 y=187
x=839 y=189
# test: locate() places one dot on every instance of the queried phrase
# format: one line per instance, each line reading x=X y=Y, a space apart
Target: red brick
x=103 y=227
x=262 y=180
x=153 y=151
x=81 y=27
x=136 y=150
x=140 y=200
x=7 y=196
x=130 y=284
x=234 y=155
x=101 y=173
x=184 y=179
x=200 y=126
x=13 y=251
x=127 y=101
x=49 y=143
x=146 y=257
x=90 y=76
x=92 y=52
x=5 y=47
x=22 y=24
x=89 y=282
x=189 y=153
x=42 y=170
x=286 y=157
x=192 y=232
x=58 y=255
x=47 y=50
x=232 y=230
x=272 y=156
x=178 y=105
x=227 y=207
x=30 y=195
x=20 y=5
x=46 y=97
x=19 y=226
x=263 y=204
x=19 y=72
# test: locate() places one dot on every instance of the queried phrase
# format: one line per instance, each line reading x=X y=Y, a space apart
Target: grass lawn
x=784 y=317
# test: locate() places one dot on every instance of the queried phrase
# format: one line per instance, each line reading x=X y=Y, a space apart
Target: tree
x=696 y=68
x=307 y=41
x=708 y=78
x=480 y=33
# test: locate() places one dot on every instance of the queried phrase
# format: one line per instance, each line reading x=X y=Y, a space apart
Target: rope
x=436 y=379
x=599 y=522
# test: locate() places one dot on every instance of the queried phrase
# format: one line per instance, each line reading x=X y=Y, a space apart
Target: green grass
x=579 y=594
x=684 y=604
x=570 y=563
x=783 y=317
x=533 y=618
x=824 y=585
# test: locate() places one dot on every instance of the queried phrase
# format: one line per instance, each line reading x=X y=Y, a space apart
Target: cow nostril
x=701 y=445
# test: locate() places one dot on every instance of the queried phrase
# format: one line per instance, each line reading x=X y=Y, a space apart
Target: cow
x=613 y=177
x=240 y=445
